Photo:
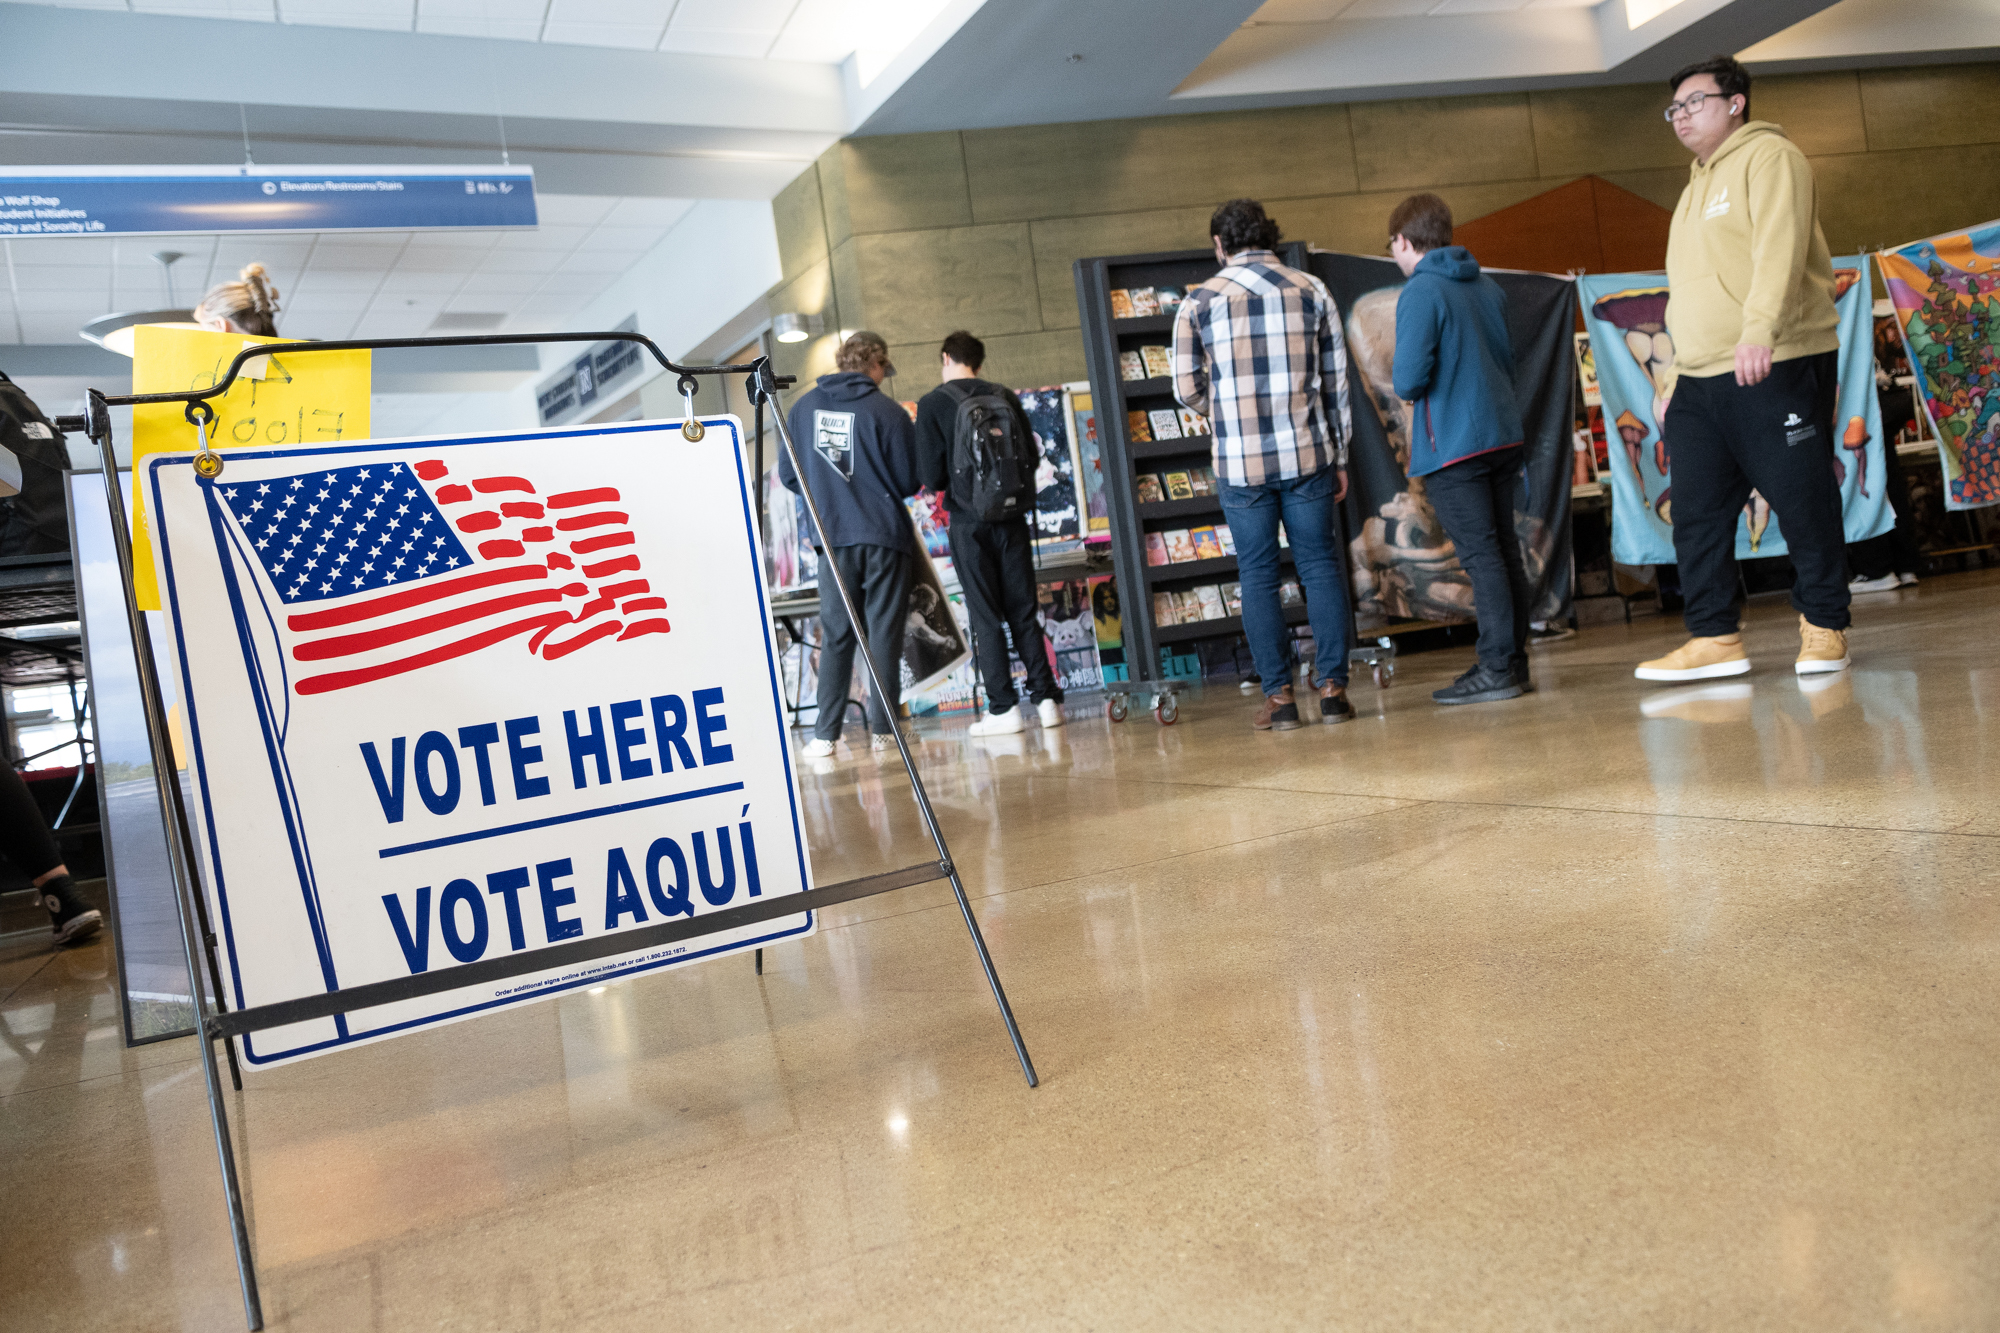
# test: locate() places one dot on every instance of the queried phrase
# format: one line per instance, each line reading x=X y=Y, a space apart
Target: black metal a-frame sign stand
x=197 y=938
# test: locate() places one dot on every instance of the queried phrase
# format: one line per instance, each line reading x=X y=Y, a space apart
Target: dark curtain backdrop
x=1402 y=564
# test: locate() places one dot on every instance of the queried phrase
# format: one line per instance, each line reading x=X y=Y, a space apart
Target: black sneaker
x=1479 y=686
x=73 y=918
x=1521 y=677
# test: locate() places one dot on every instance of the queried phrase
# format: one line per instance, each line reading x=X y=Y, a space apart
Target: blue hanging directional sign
x=139 y=201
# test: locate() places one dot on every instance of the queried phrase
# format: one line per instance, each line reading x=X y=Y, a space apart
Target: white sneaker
x=1883 y=584
x=999 y=724
x=1906 y=579
x=886 y=741
x=818 y=749
x=1051 y=713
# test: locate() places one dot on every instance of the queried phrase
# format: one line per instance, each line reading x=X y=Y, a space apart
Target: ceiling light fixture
x=114 y=333
x=791 y=327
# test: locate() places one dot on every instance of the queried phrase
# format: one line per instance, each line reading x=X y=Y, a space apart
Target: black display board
x=1402 y=564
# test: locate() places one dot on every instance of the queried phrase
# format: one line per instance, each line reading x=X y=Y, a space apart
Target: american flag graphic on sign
x=390 y=568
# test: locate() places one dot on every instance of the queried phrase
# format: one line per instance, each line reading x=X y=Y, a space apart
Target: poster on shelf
x=1626 y=315
x=1946 y=294
x=1057 y=519
x=1089 y=451
x=457 y=698
x=791 y=565
x=1403 y=566
x=933 y=644
x=1064 y=609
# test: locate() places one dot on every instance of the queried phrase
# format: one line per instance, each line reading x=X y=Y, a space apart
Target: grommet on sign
x=207 y=462
x=691 y=427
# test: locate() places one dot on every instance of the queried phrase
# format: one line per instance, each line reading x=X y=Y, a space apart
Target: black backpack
x=993 y=454
x=36 y=521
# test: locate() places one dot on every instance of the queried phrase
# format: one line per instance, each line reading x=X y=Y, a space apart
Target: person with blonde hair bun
x=248 y=305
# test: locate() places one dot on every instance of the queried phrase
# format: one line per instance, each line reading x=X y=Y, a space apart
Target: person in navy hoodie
x=859 y=451
x=1455 y=365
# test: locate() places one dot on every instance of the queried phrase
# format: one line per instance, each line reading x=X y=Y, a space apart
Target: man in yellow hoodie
x=1754 y=374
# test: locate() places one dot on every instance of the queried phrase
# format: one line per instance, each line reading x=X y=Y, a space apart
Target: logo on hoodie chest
x=1718 y=205
x=833 y=436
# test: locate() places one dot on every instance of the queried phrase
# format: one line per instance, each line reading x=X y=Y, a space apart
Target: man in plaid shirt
x=1259 y=352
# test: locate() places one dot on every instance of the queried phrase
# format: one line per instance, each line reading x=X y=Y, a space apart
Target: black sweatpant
x=24 y=832
x=996 y=570
x=1776 y=437
x=879 y=581
x=1474 y=499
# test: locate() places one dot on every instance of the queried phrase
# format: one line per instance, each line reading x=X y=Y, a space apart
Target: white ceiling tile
x=717 y=42
x=661 y=213
x=632 y=36
x=483 y=285
x=59 y=277
x=516 y=30
x=320 y=326
x=581 y=210
x=62 y=249
x=505 y=10
x=1478 y=6
x=319 y=279
x=606 y=261
x=522 y=261
x=765 y=15
x=255 y=11
x=421 y=282
x=48 y=302
x=320 y=303
x=637 y=238
x=349 y=13
x=544 y=238
x=415 y=260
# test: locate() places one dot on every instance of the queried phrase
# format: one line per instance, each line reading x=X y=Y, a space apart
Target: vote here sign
x=455 y=698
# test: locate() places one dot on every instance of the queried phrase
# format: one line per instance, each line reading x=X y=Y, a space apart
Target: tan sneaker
x=1699 y=659
x=1820 y=650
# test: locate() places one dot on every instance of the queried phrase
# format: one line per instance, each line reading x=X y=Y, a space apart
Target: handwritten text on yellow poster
x=310 y=398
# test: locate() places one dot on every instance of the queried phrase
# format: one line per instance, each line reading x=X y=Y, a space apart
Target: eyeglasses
x=1690 y=106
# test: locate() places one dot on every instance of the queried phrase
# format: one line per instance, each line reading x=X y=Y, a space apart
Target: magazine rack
x=1105 y=338
x=196 y=935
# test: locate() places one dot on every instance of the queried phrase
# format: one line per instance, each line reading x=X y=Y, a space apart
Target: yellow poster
x=314 y=398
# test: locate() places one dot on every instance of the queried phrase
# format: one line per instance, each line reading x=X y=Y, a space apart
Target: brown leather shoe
x=1279 y=713
x=1333 y=704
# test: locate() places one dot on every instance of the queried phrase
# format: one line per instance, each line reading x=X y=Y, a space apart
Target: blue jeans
x=1306 y=506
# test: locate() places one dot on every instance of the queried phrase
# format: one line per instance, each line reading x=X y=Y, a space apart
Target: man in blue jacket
x=859 y=450
x=1454 y=363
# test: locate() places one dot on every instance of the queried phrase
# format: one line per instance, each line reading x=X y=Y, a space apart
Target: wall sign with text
x=140 y=201
x=462 y=697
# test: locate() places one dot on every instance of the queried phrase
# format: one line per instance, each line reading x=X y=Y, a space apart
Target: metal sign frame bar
x=223 y=1025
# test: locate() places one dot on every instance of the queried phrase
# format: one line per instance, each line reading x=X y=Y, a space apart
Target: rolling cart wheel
x=1385 y=675
x=1167 y=709
x=1115 y=707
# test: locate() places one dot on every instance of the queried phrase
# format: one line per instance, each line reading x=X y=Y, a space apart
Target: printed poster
x=1943 y=291
x=1402 y=564
x=1626 y=314
x=458 y=698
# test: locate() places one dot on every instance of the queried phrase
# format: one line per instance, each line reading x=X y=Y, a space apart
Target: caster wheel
x=1116 y=707
x=1168 y=711
x=1385 y=676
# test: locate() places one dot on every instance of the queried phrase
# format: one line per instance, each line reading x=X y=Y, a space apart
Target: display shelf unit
x=1104 y=339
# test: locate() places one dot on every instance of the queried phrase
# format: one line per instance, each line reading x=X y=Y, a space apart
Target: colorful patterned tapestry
x=1944 y=290
x=1626 y=314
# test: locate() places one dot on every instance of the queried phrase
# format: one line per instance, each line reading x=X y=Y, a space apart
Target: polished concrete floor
x=1611 y=1008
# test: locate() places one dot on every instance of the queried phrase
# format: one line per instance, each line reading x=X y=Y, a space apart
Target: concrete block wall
x=917 y=235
